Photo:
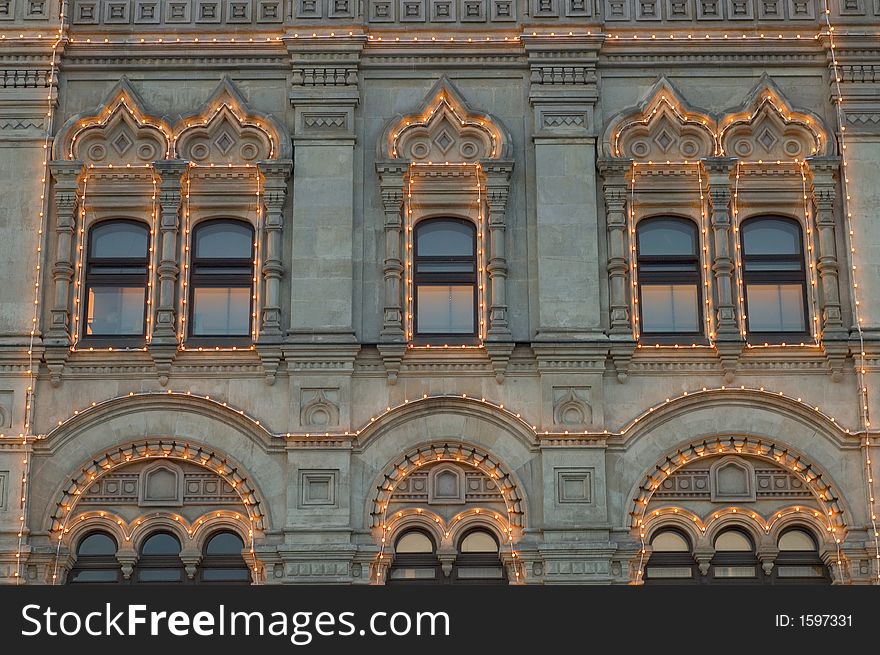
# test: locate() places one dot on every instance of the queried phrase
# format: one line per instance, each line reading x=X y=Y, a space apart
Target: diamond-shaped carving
x=224 y=142
x=122 y=143
x=444 y=141
x=767 y=139
x=664 y=140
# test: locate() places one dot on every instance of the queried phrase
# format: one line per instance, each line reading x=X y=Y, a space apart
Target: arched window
x=735 y=559
x=669 y=278
x=159 y=560
x=774 y=277
x=798 y=561
x=222 y=561
x=415 y=559
x=478 y=560
x=96 y=561
x=445 y=280
x=115 y=294
x=671 y=559
x=222 y=280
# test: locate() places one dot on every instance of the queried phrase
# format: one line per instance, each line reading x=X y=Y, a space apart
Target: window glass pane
x=221 y=311
x=225 y=575
x=771 y=236
x=445 y=238
x=670 y=308
x=480 y=572
x=796 y=540
x=225 y=543
x=445 y=309
x=116 y=311
x=734 y=571
x=669 y=572
x=732 y=540
x=95 y=575
x=445 y=267
x=119 y=239
x=97 y=543
x=413 y=573
x=670 y=542
x=159 y=575
x=478 y=542
x=224 y=240
x=775 y=307
x=776 y=265
x=667 y=237
x=161 y=544
x=414 y=542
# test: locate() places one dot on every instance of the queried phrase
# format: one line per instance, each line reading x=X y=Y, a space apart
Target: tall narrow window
x=669 y=278
x=116 y=280
x=222 y=562
x=221 y=280
x=415 y=559
x=96 y=561
x=774 y=277
x=671 y=559
x=159 y=561
x=445 y=280
x=478 y=560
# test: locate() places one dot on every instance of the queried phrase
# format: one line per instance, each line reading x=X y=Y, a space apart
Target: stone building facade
x=577 y=394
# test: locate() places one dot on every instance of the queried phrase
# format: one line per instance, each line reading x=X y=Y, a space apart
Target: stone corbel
x=392 y=340
x=276 y=174
x=729 y=342
x=767 y=559
x=57 y=340
x=164 y=342
x=824 y=172
x=703 y=559
x=127 y=560
x=190 y=559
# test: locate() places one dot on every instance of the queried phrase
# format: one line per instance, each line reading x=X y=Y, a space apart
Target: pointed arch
x=118 y=132
x=662 y=127
x=445 y=129
x=767 y=127
x=226 y=130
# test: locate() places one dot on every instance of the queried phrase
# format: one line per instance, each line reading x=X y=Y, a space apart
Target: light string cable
x=705 y=273
x=864 y=412
x=631 y=228
x=811 y=258
x=482 y=273
x=184 y=274
x=31 y=390
x=256 y=296
x=153 y=253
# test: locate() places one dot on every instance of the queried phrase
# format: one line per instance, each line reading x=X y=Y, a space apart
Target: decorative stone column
x=57 y=340
x=497 y=192
x=275 y=178
x=392 y=340
x=614 y=188
x=728 y=339
x=164 y=342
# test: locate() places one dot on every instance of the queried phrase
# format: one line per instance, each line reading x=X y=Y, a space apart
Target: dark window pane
x=675 y=237
x=94 y=575
x=97 y=543
x=221 y=311
x=771 y=236
x=116 y=310
x=119 y=239
x=775 y=307
x=445 y=239
x=228 y=574
x=159 y=575
x=668 y=308
x=446 y=309
x=445 y=267
x=225 y=543
x=161 y=543
x=753 y=266
x=224 y=240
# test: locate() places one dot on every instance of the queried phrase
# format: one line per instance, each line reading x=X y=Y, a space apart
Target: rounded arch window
x=799 y=561
x=95 y=560
x=668 y=265
x=415 y=559
x=478 y=560
x=774 y=277
x=222 y=560
x=116 y=277
x=671 y=561
x=445 y=280
x=222 y=279
x=159 y=561
x=735 y=559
